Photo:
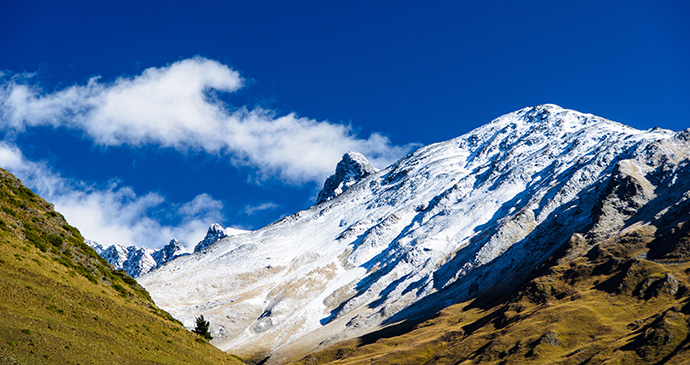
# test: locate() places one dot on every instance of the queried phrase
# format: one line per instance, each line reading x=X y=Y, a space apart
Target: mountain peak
x=352 y=167
x=215 y=232
x=174 y=246
x=447 y=222
x=169 y=252
x=138 y=261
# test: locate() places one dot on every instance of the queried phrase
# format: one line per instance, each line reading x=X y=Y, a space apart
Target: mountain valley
x=545 y=236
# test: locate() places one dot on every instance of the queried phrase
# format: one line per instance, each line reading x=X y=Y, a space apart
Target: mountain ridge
x=137 y=260
x=443 y=224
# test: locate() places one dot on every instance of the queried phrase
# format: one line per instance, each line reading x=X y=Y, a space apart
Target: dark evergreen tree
x=202 y=328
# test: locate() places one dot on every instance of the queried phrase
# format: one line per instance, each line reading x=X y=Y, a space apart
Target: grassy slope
x=61 y=303
x=623 y=302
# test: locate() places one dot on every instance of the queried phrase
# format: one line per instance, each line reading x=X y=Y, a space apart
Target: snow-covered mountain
x=215 y=233
x=446 y=222
x=352 y=168
x=138 y=260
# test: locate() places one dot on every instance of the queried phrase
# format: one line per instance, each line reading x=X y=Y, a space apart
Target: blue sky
x=147 y=120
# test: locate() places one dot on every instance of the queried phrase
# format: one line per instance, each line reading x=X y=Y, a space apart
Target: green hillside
x=61 y=303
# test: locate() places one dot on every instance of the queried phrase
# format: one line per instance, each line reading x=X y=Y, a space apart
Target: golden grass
x=62 y=304
x=572 y=313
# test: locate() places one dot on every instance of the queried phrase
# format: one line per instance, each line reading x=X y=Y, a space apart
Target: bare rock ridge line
x=447 y=222
x=137 y=261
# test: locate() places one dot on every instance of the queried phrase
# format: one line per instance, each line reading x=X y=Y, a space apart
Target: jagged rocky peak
x=169 y=252
x=351 y=168
x=138 y=261
x=215 y=232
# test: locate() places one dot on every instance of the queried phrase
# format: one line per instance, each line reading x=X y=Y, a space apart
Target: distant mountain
x=64 y=304
x=215 y=233
x=138 y=260
x=452 y=221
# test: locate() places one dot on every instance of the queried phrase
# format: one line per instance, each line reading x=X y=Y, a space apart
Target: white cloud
x=114 y=213
x=252 y=209
x=173 y=106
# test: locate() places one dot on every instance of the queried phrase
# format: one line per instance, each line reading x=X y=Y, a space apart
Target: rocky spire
x=215 y=232
x=169 y=252
x=352 y=168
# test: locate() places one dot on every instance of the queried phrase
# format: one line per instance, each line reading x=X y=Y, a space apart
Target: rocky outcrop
x=352 y=168
x=215 y=232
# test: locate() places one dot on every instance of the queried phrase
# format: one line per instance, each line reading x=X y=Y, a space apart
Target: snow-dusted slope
x=446 y=222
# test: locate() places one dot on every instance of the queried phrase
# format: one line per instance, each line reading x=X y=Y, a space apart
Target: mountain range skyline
x=154 y=130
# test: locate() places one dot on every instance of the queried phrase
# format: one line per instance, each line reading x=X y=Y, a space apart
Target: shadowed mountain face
x=61 y=303
x=602 y=297
x=447 y=223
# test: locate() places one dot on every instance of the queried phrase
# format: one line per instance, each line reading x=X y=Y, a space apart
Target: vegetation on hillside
x=60 y=302
x=623 y=300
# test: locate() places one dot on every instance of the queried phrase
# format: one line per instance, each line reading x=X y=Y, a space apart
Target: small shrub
x=120 y=289
x=122 y=274
x=42 y=246
x=35 y=239
x=25 y=193
x=65 y=261
x=54 y=239
x=27 y=332
x=9 y=211
x=73 y=230
x=55 y=309
x=81 y=269
x=31 y=235
x=202 y=327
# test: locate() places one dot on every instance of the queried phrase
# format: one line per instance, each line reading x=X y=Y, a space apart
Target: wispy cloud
x=175 y=106
x=114 y=213
x=253 y=209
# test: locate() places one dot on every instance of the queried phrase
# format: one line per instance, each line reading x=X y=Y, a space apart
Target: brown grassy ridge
x=61 y=303
x=625 y=301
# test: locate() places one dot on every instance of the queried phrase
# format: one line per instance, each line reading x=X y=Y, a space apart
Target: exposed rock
x=550 y=338
x=215 y=232
x=352 y=168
